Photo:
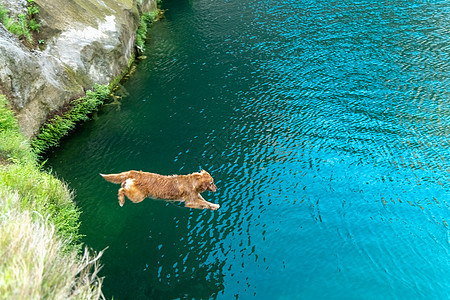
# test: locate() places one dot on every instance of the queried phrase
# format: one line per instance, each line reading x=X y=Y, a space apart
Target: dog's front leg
x=190 y=202
x=200 y=203
x=212 y=206
x=206 y=204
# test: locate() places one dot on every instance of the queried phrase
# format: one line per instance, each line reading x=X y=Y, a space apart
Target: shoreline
x=41 y=205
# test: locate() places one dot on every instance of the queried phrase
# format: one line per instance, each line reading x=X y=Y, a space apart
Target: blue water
x=325 y=125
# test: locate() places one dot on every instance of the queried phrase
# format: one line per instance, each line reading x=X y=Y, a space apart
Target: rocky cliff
x=86 y=42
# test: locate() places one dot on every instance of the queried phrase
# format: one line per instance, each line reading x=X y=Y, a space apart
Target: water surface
x=325 y=125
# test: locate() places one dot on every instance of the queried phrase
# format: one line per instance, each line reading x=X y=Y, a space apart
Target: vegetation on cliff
x=22 y=25
x=141 y=33
x=61 y=124
x=39 y=238
x=79 y=110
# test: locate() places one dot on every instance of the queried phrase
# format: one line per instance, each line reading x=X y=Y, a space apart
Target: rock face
x=87 y=42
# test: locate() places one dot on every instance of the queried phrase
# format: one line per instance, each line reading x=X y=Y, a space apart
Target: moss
x=75 y=78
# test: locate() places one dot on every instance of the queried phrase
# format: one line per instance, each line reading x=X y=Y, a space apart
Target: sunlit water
x=325 y=125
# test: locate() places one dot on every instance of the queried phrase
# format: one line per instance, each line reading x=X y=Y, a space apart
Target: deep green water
x=326 y=127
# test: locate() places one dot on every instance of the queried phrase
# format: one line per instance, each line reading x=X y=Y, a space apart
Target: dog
x=138 y=185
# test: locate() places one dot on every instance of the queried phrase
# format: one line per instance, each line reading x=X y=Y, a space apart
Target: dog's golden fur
x=138 y=185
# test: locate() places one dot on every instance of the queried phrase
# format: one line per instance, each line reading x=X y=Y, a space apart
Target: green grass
x=39 y=237
x=41 y=192
x=60 y=125
x=21 y=25
x=13 y=146
x=38 y=190
x=142 y=31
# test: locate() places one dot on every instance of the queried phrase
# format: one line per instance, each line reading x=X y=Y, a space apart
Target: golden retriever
x=138 y=185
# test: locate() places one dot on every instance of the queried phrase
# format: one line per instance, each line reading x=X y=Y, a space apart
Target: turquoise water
x=325 y=125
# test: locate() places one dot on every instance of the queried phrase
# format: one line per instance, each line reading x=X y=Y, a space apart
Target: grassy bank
x=39 y=238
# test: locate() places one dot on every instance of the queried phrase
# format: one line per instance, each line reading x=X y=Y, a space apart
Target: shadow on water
x=324 y=125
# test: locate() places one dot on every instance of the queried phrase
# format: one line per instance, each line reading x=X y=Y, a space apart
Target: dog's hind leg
x=134 y=196
x=121 y=196
x=131 y=191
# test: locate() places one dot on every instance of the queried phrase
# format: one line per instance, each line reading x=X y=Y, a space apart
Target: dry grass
x=33 y=263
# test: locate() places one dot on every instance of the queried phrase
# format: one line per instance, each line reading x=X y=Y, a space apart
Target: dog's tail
x=115 y=178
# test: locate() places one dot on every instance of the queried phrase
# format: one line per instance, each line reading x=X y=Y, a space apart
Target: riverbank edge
x=43 y=206
x=39 y=238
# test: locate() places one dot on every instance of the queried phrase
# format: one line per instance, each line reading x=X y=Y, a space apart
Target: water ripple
x=325 y=127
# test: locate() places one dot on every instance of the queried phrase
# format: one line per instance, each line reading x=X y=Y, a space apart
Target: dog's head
x=206 y=182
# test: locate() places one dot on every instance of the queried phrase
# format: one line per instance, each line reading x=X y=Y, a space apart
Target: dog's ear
x=205 y=185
